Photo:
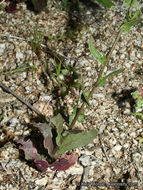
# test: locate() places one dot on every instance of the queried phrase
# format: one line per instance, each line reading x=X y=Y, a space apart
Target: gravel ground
x=116 y=155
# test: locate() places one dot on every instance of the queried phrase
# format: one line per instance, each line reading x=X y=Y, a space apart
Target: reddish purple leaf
x=72 y=158
x=12 y=7
x=46 y=132
x=61 y=165
x=64 y=162
x=29 y=150
x=42 y=165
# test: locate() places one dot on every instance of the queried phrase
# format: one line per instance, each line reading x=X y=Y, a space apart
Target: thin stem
x=17 y=70
x=5 y=88
x=58 y=55
x=98 y=79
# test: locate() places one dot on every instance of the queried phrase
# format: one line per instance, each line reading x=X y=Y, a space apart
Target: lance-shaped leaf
x=29 y=150
x=98 y=56
x=137 y=13
x=135 y=4
x=39 y=5
x=127 y=26
x=127 y=2
x=77 y=140
x=80 y=117
x=103 y=80
x=138 y=114
x=64 y=162
x=47 y=134
x=76 y=84
x=106 y=3
x=73 y=115
x=132 y=3
x=84 y=97
x=58 y=122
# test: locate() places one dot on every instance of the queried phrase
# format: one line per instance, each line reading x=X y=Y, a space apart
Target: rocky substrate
x=116 y=155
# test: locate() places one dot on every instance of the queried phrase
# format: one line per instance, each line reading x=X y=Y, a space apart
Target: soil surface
x=114 y=160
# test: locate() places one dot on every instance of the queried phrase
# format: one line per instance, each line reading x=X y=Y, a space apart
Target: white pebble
x=122 y=56
x=61 y=77
x=76 y=169
x=42 y=181
x=127 y=145
x=113 y=141
x=99 y=95
x=102 y=127
x=2 y=49
x=19 y=56
x=132 y=56
x=45 y=97
x=136 y=157
x=85 y=160
x=104 y=48
x=117 y=147
x=133 y=134
x=13 y=122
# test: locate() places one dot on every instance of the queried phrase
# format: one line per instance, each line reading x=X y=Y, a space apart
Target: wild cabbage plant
x=59 y=145
x=64 y=143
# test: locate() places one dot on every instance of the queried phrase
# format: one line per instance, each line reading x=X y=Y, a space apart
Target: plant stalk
x=8 y=90
x=98 y=79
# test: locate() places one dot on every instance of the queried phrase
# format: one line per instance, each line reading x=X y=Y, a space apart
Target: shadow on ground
x=123 y=97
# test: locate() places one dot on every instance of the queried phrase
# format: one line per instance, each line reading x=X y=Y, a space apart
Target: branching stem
x=95 y=85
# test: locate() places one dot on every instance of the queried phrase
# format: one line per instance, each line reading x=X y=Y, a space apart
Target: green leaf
x=75 y=75
x=63 y=91
x=84 y=97
x=58 y=122
x=132 y=3
x=135 y=14
x=80 y=117
x=76 y=84
x=141 y=140
x=73 y=115
x=106 y=3
x=135 y=4
x=103 y=80
x=138 y=114
x=98 y=56
x=59 y=69
x=127 y=2
x=65 y=71
x=73 y=141
x=127 y=26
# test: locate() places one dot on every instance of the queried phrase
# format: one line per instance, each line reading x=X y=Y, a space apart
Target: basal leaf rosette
x=63 y=163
